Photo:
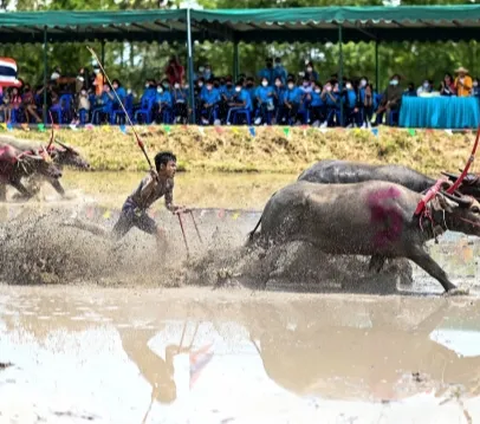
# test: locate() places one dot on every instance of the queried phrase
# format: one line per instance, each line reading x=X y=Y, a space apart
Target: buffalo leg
x=424 y=261
x=21 y=188
x=3 y=192
x=376 y=263
x=58 y=187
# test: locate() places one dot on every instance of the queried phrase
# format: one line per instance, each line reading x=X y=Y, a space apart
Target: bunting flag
x=3 y=125
x=73 y=127
x=9 y=126
x=25 y=127
x=218 y=129
x=252 y=131
x=167 y=128
x=107 y=214
x=286 y=130
x=449 y=132
x=411 y=131
x=375 y=132
x=123 y=129
x=41 y=127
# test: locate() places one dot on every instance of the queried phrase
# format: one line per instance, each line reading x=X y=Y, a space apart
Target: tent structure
x=319 y=24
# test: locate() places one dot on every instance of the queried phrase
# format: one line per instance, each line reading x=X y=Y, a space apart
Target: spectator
x=81 y=80
x=268 y=72
x=175 y=71
x=83 y=106
x=15 y=103
x=28 y=101
x=476 y=88
x=56 y=74
x=410 y=91
x=264 y=96
x=180 y=103
x=98 y=82
x=351 y=105
x=250 y=87
x=310 y=73
x=463 y=83
x=316 y=105
x=391 y=100
x=447 y=86
x=280 y=71
x=278 y=91
x=210 y=99
x=368 y=104
x=332 y=100
x=163 y=100
x=240 y=102
x=5 y=106
x=207 y=73
x=291 y=102
x=120 y=92
x=425 y=88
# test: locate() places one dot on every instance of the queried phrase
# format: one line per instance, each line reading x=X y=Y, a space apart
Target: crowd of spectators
x=273 y=96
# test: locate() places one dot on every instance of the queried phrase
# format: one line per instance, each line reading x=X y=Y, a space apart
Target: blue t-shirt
x=164 y=98
x=293 y=95
x=316 y=99
x=351 y=98
x=265 y=94
x=211 y=96
x=244 y=97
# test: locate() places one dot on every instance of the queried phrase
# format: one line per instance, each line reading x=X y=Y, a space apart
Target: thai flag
x=8 y=73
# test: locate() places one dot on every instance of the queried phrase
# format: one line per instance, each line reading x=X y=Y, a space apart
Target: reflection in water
x=157 y=358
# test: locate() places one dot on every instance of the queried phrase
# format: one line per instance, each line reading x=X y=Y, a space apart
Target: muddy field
x=92 y=331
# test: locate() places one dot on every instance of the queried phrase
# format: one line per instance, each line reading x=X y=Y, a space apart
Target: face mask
x=146 y=85
x=115 y=87
x=209 y=87
x=159 y=90
x=348 y=86
x=177 y=85
x=394 y=82
x=305 y=84
x=97 y=71
x=201 y=69
x=475 y=84
x=200 y=84
x=328 y=88
x=238 y=89
x=309 y=69
x=290 y=86
x=278 y=65
x=165 y=85
x=83 y=93
x=278 y=83
x=363 y=83
x=264 y=83
x=426 y=85
x=317 y=90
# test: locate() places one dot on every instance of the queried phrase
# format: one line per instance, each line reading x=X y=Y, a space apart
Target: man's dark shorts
x=131 y=216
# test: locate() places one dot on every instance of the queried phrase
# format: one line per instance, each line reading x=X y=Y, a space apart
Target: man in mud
x=157 y=184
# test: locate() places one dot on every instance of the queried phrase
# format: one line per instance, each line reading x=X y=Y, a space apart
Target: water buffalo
x=333 y=171
x=62 y=156
x=16 y=164
x=373 y=218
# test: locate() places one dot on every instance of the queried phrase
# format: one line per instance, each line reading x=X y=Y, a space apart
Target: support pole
x=236 y=63
x=340 y=71
x=45 y=73
x=377 y=69
x=102 y=55
x=190 y=67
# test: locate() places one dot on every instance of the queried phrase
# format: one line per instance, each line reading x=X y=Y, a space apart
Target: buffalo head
x=67 y=156
x=38 y=162
x=461 y=213
x=470 y=185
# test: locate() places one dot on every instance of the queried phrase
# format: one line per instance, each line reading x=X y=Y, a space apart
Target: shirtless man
x=154 y=186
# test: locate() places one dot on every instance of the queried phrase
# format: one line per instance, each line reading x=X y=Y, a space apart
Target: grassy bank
x=271 y=149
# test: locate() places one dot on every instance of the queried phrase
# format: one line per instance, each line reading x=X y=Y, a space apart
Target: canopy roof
x=423 y=23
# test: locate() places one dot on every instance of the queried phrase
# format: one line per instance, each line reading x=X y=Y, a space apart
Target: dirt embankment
x=272 y=149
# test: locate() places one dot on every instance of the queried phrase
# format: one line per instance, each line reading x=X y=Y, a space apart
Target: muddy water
x=137 y=355
x=178 y=356
x=196 y=189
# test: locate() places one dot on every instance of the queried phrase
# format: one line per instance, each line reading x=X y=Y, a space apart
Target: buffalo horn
x=450 y=175
x=464 y=201
x=62 y=144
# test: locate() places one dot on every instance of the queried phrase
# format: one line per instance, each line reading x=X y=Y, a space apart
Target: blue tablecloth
x=440 y=112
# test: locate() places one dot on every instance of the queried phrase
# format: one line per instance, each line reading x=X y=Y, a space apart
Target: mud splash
x=37 y=248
